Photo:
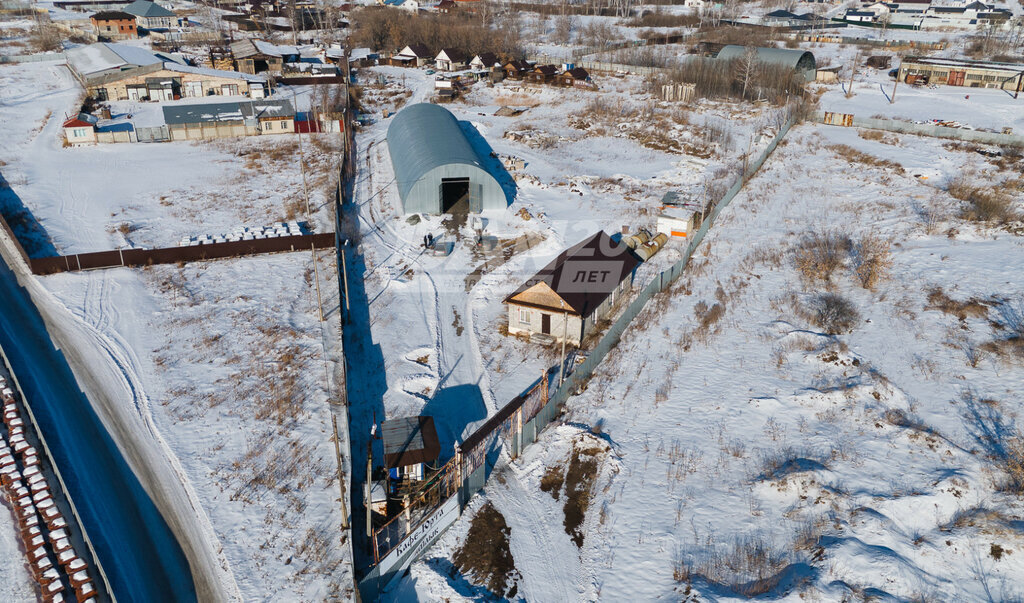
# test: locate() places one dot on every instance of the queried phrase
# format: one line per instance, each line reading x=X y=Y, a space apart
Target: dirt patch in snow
x=578 y=480
x=485 y=554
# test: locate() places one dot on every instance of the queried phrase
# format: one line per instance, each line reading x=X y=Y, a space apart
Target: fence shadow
x=24 y=226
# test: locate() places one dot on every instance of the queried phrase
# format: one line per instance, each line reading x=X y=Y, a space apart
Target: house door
x=545 y=323
x=956 y=78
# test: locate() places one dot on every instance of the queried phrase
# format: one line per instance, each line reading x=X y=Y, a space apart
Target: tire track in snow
x=100 y=317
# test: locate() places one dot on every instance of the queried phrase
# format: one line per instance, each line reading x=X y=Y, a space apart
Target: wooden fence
x=172 y=255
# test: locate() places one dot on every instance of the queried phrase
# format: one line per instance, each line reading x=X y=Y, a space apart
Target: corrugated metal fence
x=904 y=127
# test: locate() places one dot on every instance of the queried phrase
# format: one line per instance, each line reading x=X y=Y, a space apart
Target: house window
x=79 y=133
x=524 y=316
x=284 y=125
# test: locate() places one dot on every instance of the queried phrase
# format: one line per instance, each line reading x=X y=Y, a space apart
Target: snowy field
x=225 y=361
x=747 y=451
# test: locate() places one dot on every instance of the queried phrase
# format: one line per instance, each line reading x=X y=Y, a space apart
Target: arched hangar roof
x=424 y=137
x=801 y=60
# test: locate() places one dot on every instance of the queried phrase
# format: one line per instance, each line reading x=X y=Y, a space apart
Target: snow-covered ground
x=757 y=453
x=224 y=362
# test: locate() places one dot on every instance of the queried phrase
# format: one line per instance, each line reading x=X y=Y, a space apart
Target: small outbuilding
x=573 y=293
x=80 y=130
x=410 y=443
x=436 y=168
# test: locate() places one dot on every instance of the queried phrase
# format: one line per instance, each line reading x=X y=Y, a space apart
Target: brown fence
x=311 y=79
x=17 y=243
x=171 y=255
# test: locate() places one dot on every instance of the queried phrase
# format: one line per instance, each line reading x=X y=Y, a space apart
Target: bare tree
x=746 y=68
x=564 y=27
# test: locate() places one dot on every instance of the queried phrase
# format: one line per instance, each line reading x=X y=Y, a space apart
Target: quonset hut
x=436 y=169
x=800 y=60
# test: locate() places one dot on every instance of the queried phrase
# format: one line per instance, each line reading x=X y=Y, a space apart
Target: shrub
x=834 y=314
x=819 y=254
x=983 y=203
x=854 y=156
x=872 y=259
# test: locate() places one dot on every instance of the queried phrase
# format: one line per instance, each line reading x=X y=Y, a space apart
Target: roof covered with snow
x=105 y=56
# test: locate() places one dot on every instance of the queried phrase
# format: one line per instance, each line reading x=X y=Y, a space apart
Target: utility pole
x=369 y=483
x=892 y=97
x=565 y=335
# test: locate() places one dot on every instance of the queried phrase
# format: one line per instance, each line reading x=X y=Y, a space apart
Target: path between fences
x=520 y=422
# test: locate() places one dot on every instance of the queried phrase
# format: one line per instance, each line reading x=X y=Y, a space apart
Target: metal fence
x=904 y=127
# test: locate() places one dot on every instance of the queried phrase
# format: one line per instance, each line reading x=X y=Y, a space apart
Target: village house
x=80 y=130
x=517 y=69
x=413 y=55
x=576 y=76
x=450 y=60
x=445 y=6
x=114 y=25
x=151 y=16
x=543 y=74
x=485 y=60
x=409 y=5
x=572 y=294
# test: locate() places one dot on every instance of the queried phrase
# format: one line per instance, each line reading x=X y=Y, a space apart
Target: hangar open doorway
x=455 y=195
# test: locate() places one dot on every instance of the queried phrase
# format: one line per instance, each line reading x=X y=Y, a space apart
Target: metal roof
x=409 y=440
x=226 y=111
x=801 y=60
x=145 y=8
x=423 y=137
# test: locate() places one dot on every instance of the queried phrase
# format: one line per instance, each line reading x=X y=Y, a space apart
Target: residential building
x=485 y=60
x=450 y=59
x=445 y=6
x=570 y=296
x=543 y=73
x=517 y=69
x=150 y=15
x=114 y=25
x=577 y=76
x=413 y=55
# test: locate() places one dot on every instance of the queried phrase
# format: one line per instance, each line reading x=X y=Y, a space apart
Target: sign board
x=420 y=539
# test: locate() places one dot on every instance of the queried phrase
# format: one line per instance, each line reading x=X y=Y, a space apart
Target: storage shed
x=800 y=60
x=409 y=443
x=436 y=168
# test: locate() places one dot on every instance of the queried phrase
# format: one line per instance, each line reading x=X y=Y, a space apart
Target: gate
x=154 y=134
x=956 y=78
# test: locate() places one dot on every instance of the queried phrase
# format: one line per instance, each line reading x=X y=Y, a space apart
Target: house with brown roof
x=450 y=59
x=573 y=293
x=410 y=444
x=517 y=69
x=543 y=74
x=114 y=25
x=445 y=6
x=574 y=77
x=413 y=55
x=485 y=60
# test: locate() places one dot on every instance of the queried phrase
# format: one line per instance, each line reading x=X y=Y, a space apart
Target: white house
x=450 y=60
